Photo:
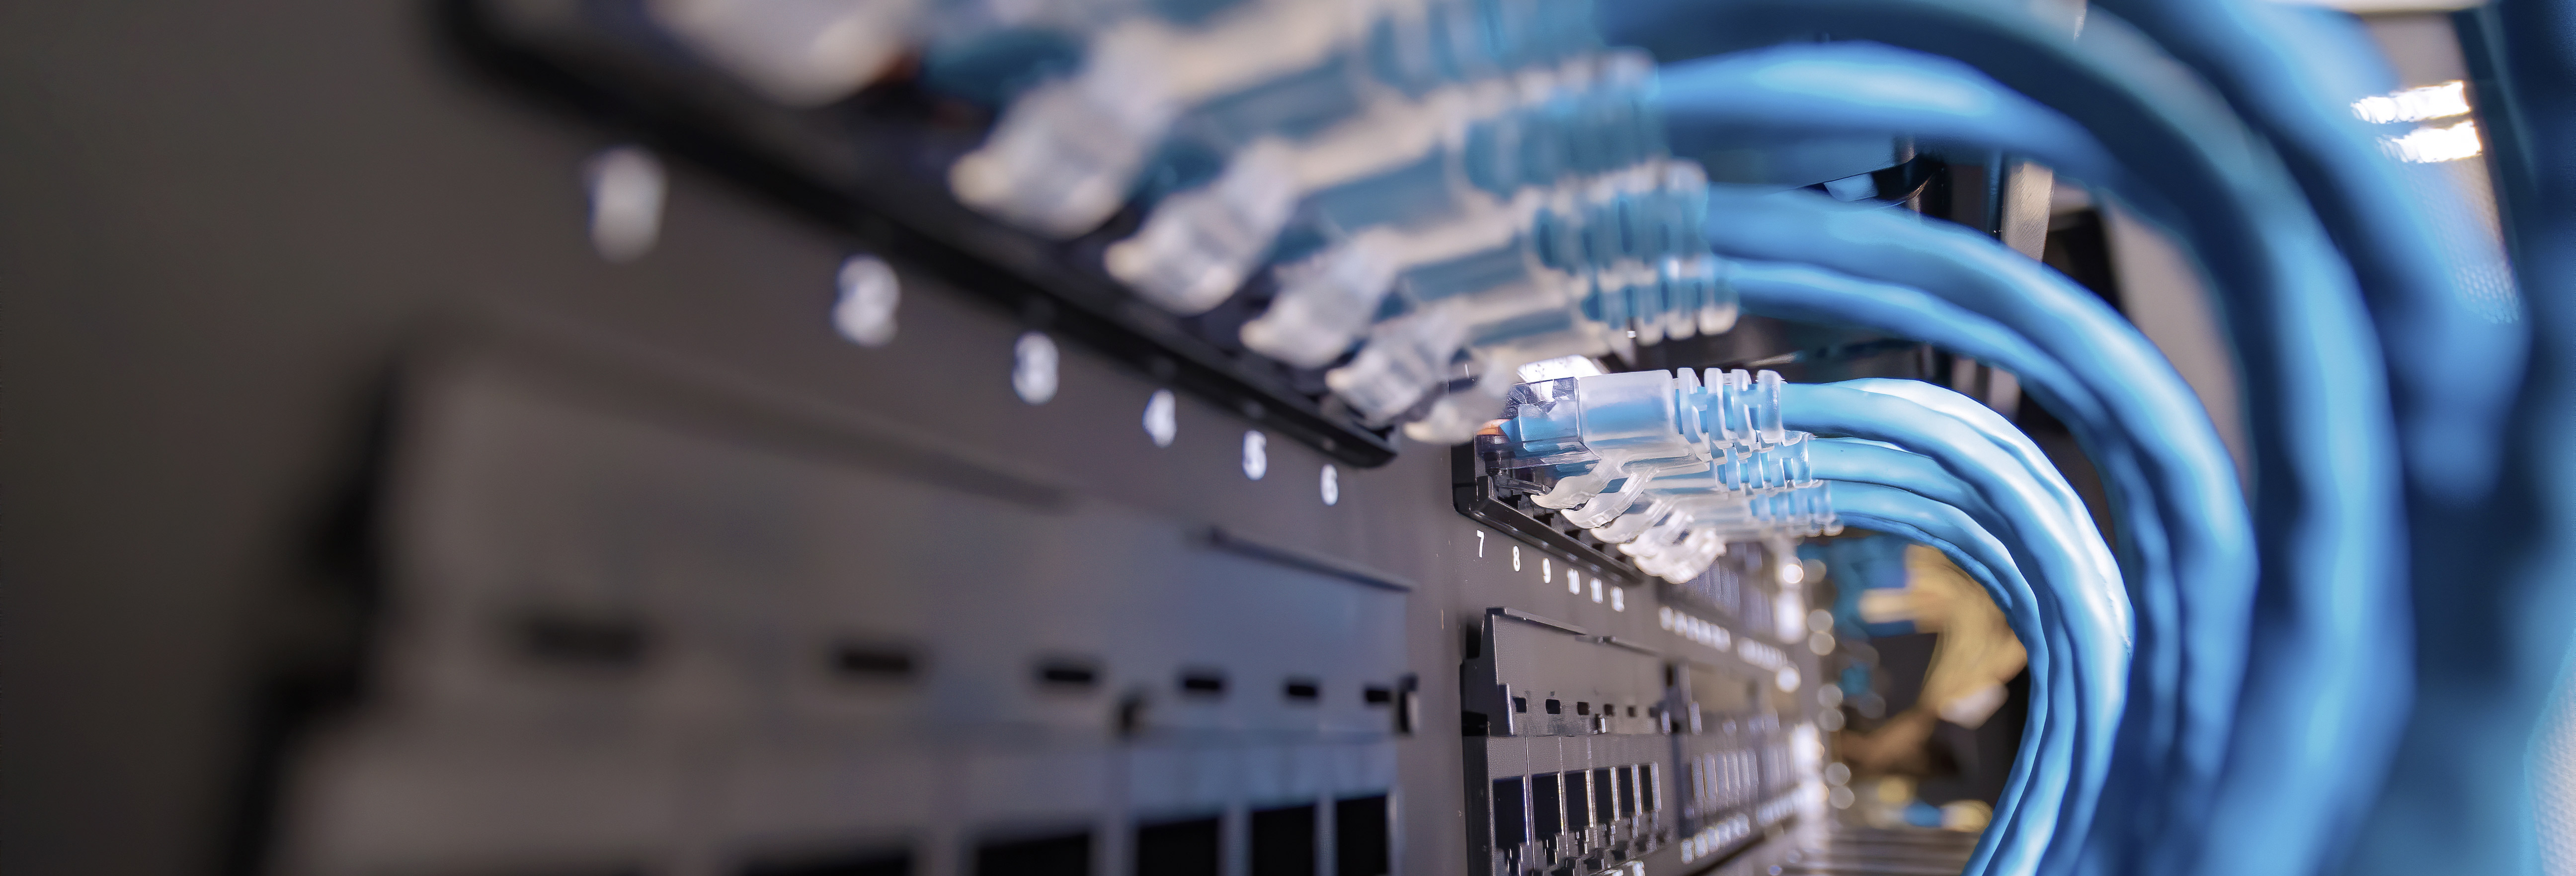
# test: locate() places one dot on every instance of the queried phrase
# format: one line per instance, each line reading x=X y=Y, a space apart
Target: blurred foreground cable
x=2494 y=628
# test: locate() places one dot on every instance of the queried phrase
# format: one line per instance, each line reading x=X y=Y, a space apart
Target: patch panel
x=1724 y=730
x=872 y=167
x=1588 y=753
x=1571 y=771
x=726 y=653
x=1581 y=820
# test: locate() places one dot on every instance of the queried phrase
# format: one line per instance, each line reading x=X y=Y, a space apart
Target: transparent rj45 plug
x=1635 y=523
x=1639 y=414
x=1403 y=356
x=1608 y=447
x=1689 y=535
x=1499 y=349
x=1679 y=500
x=1062 y=158
x=1065 y=155
x=1410 y=357
x=1526 y=318
x=1327 y=300
x=1457 y=416
x=1324 y=302
x=1627 y=425
x=1667 y=468
x=1482 y=237
x=1626 y=494
x=1199 y=245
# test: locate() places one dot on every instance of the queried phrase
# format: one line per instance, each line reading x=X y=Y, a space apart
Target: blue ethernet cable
x=2094 y=714
x=1808 y=293
x=2434 y=303
x=1854 y=459
x=2191 y=472
x=1862 y=87
x=2439 y=292
x=1795 y=92
x=2043 y=540
x=1858 y=472
x=2436 y=284
x=1855 y=87
x=2088 y=544
x=2364 y=712
x=2328 y=510
x=2026 y=813
x=1858 y=87
x=2077 y=354
x=1811 y=294
x=2466 y=792
x=2042 y=470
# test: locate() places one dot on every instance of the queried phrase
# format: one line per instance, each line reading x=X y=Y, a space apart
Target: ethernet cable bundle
x=1660 y=464
x=2238 y=697
x=1448 y=188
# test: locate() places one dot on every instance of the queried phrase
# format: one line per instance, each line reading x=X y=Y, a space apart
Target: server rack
x=644 y=568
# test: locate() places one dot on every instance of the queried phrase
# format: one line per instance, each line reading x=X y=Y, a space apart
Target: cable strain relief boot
x=1763 y=407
